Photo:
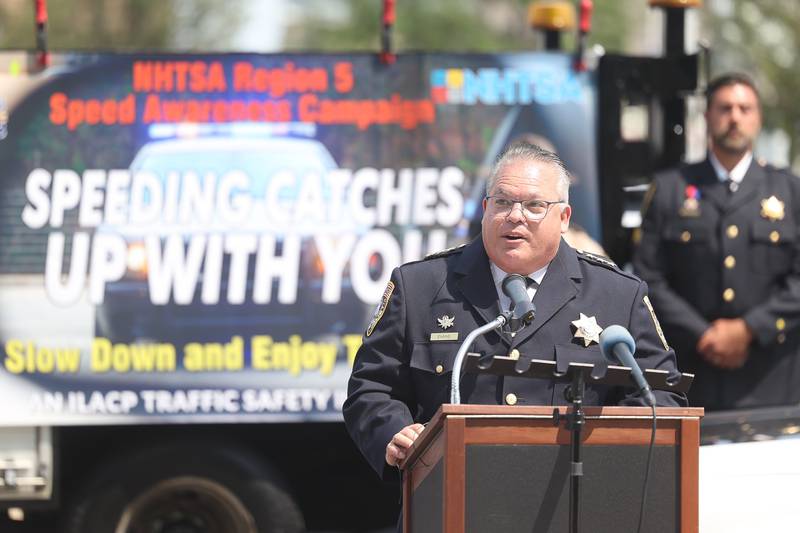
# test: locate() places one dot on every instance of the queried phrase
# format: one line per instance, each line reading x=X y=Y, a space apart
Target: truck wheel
x=183 y=489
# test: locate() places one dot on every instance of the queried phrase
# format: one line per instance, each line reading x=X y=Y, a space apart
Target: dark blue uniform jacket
x=727 y=255
x=401 y=376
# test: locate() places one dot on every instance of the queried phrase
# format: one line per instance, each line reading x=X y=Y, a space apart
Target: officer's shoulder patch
x=655 y=322
x=381 y=309
x=648 y=198
x=444 y=253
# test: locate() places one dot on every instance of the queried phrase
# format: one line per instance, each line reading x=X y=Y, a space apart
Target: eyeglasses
x=532 y=209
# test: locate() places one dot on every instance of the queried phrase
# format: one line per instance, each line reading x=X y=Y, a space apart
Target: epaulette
x=598 y=260
x=443 y=253
x=769 y=167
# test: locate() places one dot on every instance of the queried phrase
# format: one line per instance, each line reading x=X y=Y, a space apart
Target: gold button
x=774 y=236
x=728 y=295
x=511 y=398
x=730 y=262
x=733 y=231
x=781 y=338
x=780 y=324
x=514 y=354
x=686 y=236
x=439 y=369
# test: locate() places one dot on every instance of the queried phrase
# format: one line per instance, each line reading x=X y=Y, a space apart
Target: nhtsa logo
x=492 y=86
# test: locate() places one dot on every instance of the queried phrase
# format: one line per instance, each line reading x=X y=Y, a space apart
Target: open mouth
x=514 y=238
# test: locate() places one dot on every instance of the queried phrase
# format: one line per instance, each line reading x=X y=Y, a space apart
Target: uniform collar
x=737 y=173
x=499 y=275
x=474 y=280
x=557 y=288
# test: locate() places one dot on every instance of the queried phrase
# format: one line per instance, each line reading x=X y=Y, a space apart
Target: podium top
x=608 y=412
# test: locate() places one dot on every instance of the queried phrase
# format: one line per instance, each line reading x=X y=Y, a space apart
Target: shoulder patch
x=656 y=323
x=384 y=303
x=648 y=198
x=443 y=253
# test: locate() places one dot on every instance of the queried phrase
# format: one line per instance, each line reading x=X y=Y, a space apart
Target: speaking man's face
x=520 y=233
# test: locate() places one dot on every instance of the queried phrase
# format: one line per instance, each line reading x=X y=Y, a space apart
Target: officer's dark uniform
x=402 y=374
x=727 y=255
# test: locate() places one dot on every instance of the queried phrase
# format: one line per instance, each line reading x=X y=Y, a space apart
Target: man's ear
x=566 y=213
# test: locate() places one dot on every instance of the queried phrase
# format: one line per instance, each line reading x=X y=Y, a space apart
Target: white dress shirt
x=736 y=175
x=499 y=276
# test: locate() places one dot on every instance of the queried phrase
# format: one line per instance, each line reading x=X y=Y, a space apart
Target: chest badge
x=691 y=204
x=446 y=321
x=587 y=329
x=772 y=208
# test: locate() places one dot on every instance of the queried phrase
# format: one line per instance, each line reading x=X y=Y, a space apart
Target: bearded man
x=720 y=251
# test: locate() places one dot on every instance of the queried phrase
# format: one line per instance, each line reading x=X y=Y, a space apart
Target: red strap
x=41 y=11
x=388 y=12
x=586 y=15
x=386 y=56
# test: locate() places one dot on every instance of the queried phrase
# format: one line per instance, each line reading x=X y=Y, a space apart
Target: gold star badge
x=446 y=321
x=772 y=208
x=587 y=329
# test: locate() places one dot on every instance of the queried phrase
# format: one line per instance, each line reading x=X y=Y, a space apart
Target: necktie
x=530 y=283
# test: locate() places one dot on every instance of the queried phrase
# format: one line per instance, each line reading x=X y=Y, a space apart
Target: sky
x=264 y=26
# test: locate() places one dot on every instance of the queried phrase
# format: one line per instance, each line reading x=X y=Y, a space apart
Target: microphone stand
x=575 y=420
x=455 y=379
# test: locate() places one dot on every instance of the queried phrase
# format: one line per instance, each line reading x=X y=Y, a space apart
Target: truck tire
x=186 y=489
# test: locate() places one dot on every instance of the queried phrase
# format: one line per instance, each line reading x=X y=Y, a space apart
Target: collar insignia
x=587 y=329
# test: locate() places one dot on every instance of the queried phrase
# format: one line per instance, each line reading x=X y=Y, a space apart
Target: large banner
x=205 y=237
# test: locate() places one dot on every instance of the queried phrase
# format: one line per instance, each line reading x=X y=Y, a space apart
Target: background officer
x=402 y=371
x=719 y=250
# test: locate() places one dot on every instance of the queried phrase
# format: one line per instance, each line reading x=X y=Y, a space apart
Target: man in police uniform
x=719 y=250
x=402 y=371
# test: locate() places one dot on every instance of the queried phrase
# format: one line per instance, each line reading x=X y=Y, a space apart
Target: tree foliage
x=123 y=24
x=761 y=38
x=442 y=25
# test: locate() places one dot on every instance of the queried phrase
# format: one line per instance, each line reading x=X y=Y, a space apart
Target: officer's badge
x=387 y=294
x=587 y=329
x=772 y=208
x=691 y=204
x=446 y=321
x=656 y=323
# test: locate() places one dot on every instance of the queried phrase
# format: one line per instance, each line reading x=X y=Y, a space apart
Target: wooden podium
x=504 y=469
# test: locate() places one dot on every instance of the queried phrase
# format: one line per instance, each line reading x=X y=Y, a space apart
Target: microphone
x=515 y=288
x=617 y=344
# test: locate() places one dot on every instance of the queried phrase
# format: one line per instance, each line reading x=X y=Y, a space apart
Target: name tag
x=444 y=336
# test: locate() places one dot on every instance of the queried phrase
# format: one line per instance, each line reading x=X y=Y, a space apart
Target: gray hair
x=522 y=150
